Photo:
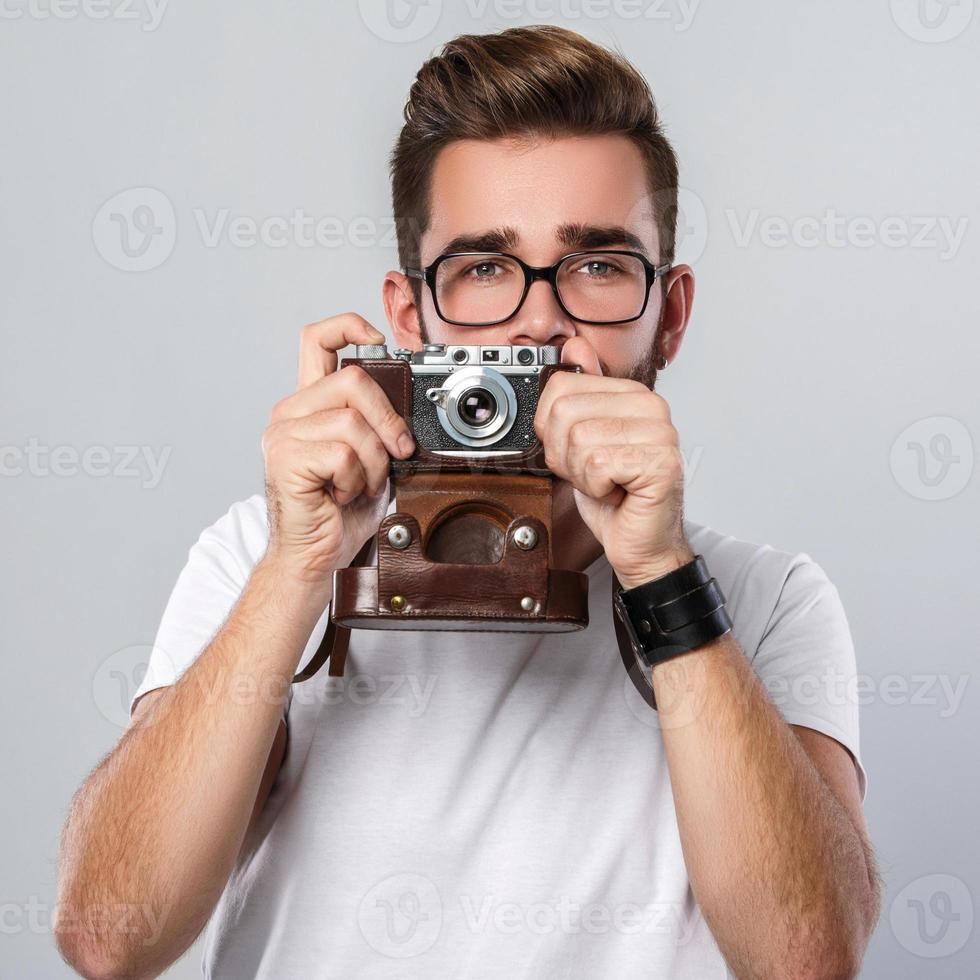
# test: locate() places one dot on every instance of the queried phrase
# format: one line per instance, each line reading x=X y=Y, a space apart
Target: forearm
x=776 y=864
x=159 y=823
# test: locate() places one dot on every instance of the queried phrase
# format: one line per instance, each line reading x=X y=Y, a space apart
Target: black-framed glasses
x=482 y=289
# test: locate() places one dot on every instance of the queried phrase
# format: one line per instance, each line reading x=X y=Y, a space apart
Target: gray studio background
x=826 y=396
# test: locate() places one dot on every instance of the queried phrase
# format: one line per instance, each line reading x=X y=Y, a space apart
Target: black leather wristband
x=674 y=614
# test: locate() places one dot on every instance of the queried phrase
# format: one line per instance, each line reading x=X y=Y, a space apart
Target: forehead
x=535 y=187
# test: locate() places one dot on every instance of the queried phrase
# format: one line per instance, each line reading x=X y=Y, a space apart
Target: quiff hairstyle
x=525 y=82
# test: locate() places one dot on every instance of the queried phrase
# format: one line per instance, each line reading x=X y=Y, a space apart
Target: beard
x=645 y=369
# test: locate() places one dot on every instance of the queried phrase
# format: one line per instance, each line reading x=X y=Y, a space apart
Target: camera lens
x=477 y=407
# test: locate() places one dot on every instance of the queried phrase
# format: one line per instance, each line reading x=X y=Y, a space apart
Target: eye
x=598 y=268
x=483 y=270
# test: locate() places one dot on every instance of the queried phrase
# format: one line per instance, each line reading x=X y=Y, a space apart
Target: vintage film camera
x=469 y=544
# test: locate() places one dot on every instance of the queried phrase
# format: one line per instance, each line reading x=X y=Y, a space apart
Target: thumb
x=577 y=350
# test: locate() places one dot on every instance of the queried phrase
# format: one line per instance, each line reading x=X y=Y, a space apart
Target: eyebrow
x=494 y=240
x=575 y=236
x=579 y=236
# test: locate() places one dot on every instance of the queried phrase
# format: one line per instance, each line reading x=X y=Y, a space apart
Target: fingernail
x=406 y=444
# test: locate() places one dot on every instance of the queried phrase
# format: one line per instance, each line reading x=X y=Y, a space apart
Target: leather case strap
x=333 y=646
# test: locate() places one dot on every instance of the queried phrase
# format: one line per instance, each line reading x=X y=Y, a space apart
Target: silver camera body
x=473 y=399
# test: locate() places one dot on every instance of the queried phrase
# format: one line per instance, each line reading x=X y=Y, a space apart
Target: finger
x=636 y=439
x=570 y=409
x=616 y=430
x=651 y=472
x=320 y=342
x=352 y=387
x=563 y=383
x=332 y=465
x=349 y=426
x=577 y=350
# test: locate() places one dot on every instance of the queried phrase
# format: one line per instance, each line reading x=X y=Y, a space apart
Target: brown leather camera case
x=462 y=507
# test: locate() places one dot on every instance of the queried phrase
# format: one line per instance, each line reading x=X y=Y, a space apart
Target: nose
x=540 y=321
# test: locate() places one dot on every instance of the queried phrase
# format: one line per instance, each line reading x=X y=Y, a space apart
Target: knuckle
x=350 y=416
x=669 y=463
x=559 y=380
x=278 y=410
x=560 y=408
x=577 y=434
x=277 y=451
x=356 y=375
x=268 y=443
x=662 y=432
x=660 y=405
x=311 y=331
x=346 y=456
x=272 y=437
x=375 y=450
x=595 y=460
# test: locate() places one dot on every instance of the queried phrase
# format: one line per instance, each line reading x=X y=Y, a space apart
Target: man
x=489 y=805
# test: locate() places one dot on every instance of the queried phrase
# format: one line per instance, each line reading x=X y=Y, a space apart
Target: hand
x=613 y=440
x=327 y=454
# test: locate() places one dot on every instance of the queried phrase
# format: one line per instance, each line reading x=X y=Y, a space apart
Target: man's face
x=539 y=201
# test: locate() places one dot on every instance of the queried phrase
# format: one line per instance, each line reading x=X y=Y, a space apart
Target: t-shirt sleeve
x=806 y=658
x=218 y=567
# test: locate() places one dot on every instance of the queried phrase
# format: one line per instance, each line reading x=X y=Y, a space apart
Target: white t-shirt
x=488 y=805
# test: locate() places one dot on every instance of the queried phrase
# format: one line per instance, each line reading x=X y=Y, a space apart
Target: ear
x=678 y=300
x=401 y=311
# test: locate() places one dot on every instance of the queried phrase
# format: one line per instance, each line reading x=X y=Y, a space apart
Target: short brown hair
x=524 y=82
